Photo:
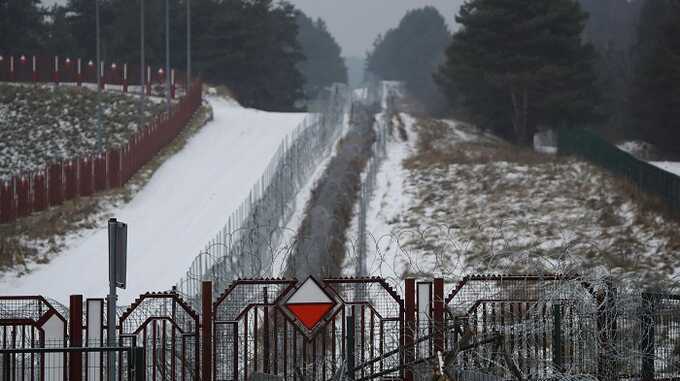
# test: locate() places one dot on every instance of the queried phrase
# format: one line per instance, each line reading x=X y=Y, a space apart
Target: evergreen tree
x=323 y=64
x=82 y=21
x=656 y=96
x=21 y=27
x=515 y=65
x=412 y=52
x=250 y=46
x=60 y=40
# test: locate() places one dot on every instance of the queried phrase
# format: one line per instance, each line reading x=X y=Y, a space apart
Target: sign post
x=117 y=278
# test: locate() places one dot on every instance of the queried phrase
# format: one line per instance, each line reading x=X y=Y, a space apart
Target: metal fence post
x=350 y=346
x=6 y=367
x=606 y=328
x=438 y=315
x=206 y=331
x=138 y=364
x=557 y=336
x=75 y=322
x=647 y=342
x=410 y=327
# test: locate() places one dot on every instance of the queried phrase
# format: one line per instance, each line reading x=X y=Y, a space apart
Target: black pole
x=557 y=336
x=648 y=331
x=350 y=347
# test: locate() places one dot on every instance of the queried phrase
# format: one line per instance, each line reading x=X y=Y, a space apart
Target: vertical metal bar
x=647 y=342
x=76 y=337
x=557 y=336
x=207 y=329
x=363 y=340
x=350 y=346
x=154 y=337
x=142 y=77
x=167 y=57
x=265 y=334
x=188 y=84
x=99 y=110
x=438 y=314
x=245 y=347
x=410 y=327
x=111 y=298
x=139 y=373
x=235 y=354
x=255 y=338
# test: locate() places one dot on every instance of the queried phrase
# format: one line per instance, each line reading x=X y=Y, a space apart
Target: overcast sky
x=356 y=23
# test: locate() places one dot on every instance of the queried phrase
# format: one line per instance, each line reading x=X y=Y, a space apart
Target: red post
x=100 y=173
x=409 y=327
x=148 y=80
x=206 y=331
x=6 y=201
x=85 y=185
x=39 y=192
x=12 y=76
x=438 y=314
x=75 y=331
x=23 y=197
x=114 y=175
x=55 y=184
x=71 y=180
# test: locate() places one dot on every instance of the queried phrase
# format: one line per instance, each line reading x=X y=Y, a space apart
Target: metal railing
x=70 y=363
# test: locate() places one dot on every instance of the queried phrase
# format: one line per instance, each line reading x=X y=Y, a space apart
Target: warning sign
x=309 y=303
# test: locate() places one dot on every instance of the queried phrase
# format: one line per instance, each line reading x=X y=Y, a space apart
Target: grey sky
x=356 y=23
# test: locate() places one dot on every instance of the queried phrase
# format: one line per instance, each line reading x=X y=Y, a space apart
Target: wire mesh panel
x=168 y=329
x=256 y=333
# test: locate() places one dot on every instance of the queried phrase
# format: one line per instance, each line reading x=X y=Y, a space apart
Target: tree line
x=269 y=54
x=515 y=67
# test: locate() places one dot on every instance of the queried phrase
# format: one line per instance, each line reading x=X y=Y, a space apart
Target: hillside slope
x=174 y=215
x=453 y=201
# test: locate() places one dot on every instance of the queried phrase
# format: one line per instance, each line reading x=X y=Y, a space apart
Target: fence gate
x=290 y=328
x=32 y=322
x=166 y=326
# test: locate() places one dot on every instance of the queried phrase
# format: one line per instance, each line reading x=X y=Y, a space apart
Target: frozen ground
x=452 y=201
x=670 y=166
x=174 y=215
x=41 y=124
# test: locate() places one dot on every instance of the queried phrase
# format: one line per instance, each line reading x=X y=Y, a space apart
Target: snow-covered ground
x=174 y=215
x=670 y=166
x=42 y=124
x=451 y=201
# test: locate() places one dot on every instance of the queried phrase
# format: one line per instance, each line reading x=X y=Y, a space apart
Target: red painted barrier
x=87 y=175
x=113 y=159
x=23 y=197
x=85 y=181
x=55 y=184
x=70 y=180
x=6 y=202
x=100 y=173
x=39 y=192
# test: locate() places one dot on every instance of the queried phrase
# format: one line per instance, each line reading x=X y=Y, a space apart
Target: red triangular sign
x=309 y=303
x=310 y=314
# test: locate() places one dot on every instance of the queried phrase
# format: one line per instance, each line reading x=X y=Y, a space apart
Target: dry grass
x=38 y=237
x=482 y=205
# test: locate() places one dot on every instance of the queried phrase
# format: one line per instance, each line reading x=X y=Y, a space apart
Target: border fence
x=62 y=181
x=486 y=327
x=245 y=246
x=647 y=177
x=57 y=70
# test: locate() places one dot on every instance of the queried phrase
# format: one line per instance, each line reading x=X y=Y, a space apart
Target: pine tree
x=60 y=40
x=412 y=52
x=323 y=64
x=21 y=27
x=656 y=97
x=515 y=65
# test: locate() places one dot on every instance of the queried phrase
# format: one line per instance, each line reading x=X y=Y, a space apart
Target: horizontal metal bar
x=65 y=350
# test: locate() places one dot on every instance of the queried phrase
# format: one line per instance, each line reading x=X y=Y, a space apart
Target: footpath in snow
x=178 y=211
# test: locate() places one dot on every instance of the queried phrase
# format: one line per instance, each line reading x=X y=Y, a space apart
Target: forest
x=268 y=53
